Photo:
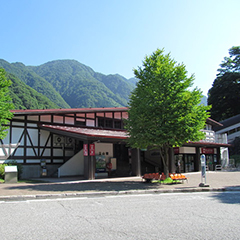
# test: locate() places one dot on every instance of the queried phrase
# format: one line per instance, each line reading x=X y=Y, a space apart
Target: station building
x=81 y=142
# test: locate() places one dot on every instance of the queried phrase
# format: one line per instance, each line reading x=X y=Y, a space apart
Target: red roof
x=90 y=132
x=204 y=143
x=69 y=110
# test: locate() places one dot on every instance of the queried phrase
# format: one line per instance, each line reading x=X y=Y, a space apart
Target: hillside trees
x=224 y=94
x=163 y=112
x=5 y=104
x=68 y=84
x=34 y=81
x=25 y=97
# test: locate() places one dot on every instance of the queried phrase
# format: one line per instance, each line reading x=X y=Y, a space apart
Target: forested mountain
x=34 y=81
x=68 y=84
x=25 y=97
x=80 y=86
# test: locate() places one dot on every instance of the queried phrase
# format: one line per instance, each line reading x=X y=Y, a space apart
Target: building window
x=109 y=123
x=80 y=123
x=117 y=124
x=100 y=122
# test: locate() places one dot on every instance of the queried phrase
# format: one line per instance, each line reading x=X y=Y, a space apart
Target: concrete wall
x=73 y=167
x=35 y=171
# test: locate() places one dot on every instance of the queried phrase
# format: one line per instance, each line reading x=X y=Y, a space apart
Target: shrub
x=2 y=170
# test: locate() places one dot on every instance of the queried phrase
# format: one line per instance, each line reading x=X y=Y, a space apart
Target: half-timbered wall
x=28 y=144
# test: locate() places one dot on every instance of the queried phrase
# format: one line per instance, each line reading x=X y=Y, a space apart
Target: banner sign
x=85 y=149
x=207 y=150
x=92 y=149
x=176 y=150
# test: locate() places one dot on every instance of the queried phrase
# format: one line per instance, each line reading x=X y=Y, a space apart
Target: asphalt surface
x=74 y=187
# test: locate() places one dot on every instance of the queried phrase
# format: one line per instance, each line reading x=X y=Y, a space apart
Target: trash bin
x=11 y=174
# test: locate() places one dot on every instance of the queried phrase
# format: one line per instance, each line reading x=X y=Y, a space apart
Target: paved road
x=206 y=215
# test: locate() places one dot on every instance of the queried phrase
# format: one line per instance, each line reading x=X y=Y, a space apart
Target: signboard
x=100 y=163
x=176 y=150
x=85 y=149
x=92 y=149
x=207 y=150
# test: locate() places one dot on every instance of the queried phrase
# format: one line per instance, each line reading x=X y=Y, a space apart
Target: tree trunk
x=164 y=153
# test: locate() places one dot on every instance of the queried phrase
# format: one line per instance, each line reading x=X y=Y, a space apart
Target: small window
x=100 y=122
x=117 y=124
x=109 y=123
x=80 y=123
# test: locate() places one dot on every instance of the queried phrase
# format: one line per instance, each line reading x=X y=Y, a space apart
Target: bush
x=2 y=170
x=10 y=163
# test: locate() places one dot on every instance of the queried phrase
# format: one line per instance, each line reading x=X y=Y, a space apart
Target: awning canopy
x=106 y=135
x=86 y=133
x=206 y=144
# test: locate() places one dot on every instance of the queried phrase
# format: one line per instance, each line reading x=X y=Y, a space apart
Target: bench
x=176 y=177
x=149 y=177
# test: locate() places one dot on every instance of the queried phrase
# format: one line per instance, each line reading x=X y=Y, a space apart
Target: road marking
x=192 y=195
x=130 y=195
x=43 y=200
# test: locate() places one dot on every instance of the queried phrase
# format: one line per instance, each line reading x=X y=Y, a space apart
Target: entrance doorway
x=121 y=153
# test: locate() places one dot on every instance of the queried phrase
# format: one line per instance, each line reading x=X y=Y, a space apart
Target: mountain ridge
x=66 y=84
x=71 y=84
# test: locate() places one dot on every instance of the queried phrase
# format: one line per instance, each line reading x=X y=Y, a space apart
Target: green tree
x=231 y=63
x=224 y=93
x=163 y=112
x=224 y=96
x=5 y=104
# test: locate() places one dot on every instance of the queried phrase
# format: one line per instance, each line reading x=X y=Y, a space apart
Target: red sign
x=85 y=149
x=208 y=150
x=176 y=150
x=92 y=149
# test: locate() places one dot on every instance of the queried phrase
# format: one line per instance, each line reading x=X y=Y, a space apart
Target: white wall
x=106 y=148
x=73 y=167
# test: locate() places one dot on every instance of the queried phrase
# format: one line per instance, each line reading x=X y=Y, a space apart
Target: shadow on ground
x=230 y=196
x=86 y=187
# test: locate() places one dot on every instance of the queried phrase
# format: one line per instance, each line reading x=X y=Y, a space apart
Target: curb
x=111 y=193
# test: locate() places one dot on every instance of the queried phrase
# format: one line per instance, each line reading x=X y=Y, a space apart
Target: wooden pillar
x=136 y=163
x=219 y=155
x=89 y=164
x=197 y=160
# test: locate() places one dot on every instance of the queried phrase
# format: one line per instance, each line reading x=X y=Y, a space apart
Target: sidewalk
x=70 y=187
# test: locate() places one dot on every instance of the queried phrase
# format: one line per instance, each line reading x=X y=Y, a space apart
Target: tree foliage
x=34 y=81
x=80 y=86
x=231 y=63
x=25 y=97
x=5 y=103
x=70 y=84
x=163 y=112
x=224 y=94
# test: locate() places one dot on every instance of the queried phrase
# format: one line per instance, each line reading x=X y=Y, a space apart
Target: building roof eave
x=206 y=144
x=83 y=133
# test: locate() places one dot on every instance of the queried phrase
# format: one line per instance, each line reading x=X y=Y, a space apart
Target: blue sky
x=114 y=36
